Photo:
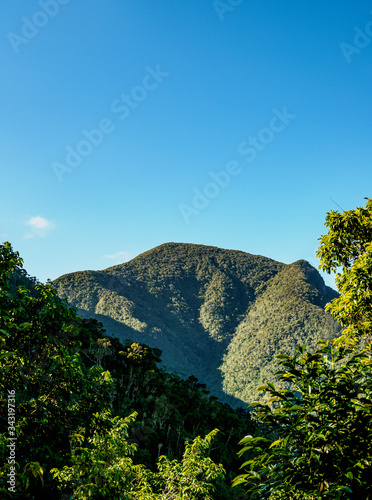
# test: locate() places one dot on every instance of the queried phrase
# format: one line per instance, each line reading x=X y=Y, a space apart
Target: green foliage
x=289 y=313
x=142 y=355
x=9 y=262
x=193 y=478
x=347 y=250
x=54 y=391
x=317 y=441
x=106 y=470
x=65 y=369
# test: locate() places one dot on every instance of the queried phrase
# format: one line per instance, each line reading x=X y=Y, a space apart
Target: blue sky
x=125 y=125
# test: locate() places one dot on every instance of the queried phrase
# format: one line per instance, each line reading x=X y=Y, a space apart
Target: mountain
x=220 y=315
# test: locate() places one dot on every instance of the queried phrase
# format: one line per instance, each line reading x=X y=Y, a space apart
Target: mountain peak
x=215 y=313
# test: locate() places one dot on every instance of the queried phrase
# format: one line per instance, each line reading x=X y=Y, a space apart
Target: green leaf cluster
x=347 y=250
x=102 y=467
x=318 y=434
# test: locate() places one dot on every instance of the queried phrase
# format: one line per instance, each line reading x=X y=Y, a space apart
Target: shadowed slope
x=206 y=308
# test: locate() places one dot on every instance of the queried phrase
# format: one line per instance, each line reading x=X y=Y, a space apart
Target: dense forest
x=72 y=380
x=86 y=415
x=220 y=315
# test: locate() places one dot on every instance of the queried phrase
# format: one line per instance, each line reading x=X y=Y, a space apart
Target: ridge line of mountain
x=220 y=315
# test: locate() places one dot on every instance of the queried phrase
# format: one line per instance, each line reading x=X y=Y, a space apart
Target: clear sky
x=128 y=124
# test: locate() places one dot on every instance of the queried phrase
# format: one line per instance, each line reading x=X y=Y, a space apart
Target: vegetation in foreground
x=93 y=416
x=102 y=415
x=317 y=442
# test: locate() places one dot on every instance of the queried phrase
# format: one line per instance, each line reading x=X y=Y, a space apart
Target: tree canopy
x=318 y=433
x=347 y=250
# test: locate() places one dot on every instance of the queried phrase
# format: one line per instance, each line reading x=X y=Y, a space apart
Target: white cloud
x=119 y=256
x=40 y=226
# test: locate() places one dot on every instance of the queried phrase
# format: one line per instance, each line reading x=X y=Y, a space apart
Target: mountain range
x=220 y=315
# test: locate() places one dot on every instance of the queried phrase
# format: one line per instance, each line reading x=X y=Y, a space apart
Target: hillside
x=221 y=315
x=72 y=383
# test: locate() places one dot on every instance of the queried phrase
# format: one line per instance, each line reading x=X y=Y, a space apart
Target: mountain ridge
x=204 y=306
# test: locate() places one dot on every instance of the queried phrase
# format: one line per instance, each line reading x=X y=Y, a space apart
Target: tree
x=318 y=432
x=103 y=468
x=347 y=250
x=53 y=391
x=193 y=478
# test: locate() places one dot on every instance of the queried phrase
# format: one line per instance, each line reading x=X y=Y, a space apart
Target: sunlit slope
x=290 y=312
x=208 y=308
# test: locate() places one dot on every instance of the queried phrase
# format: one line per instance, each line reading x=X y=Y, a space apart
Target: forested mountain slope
x=221 y=315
